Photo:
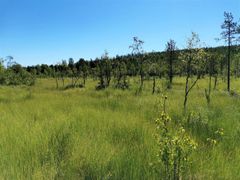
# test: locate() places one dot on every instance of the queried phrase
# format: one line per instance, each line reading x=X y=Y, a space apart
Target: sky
x=48 y=31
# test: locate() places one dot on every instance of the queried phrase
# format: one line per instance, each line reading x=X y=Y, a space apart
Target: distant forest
x=131 y=63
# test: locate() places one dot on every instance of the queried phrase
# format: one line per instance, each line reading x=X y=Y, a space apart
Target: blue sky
x=47 y=31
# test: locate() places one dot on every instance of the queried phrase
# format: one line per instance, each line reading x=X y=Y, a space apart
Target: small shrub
x=71 y=86
x=175 y=146
x=199 y=126
x=197 y=123
x=21 y=77
x=233 y=93
x=216 y=137
x=122 y=85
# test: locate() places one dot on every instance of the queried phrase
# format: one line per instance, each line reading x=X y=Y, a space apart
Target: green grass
x=88 y=134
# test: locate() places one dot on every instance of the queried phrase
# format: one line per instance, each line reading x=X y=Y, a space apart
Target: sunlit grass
x=83 y=133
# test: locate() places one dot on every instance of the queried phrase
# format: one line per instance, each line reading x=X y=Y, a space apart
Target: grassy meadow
x=49 y=133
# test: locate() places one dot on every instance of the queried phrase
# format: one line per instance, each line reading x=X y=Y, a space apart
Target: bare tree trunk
x=84 y=81
x=141 y=82
x=72 y=80
x=154 y=84
x=215 y=82
x=188 y=89
x=171 y=69
x=56 y=79
x=186 y=94
x=208 y=92
x=228 y=61
x=63 y=83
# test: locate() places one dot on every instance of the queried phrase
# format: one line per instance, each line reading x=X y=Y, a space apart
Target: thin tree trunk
x=154 y=85
x=171 y=69
x=56 y=82
x=186 y=93
x=84 y=80
x=228 y=76
x=72 y=80
x=215 y=82
x=63 y=81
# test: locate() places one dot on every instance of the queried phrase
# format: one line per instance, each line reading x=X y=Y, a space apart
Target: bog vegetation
x=158 y=115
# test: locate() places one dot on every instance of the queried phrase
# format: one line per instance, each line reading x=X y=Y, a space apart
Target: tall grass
x=88 y=134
